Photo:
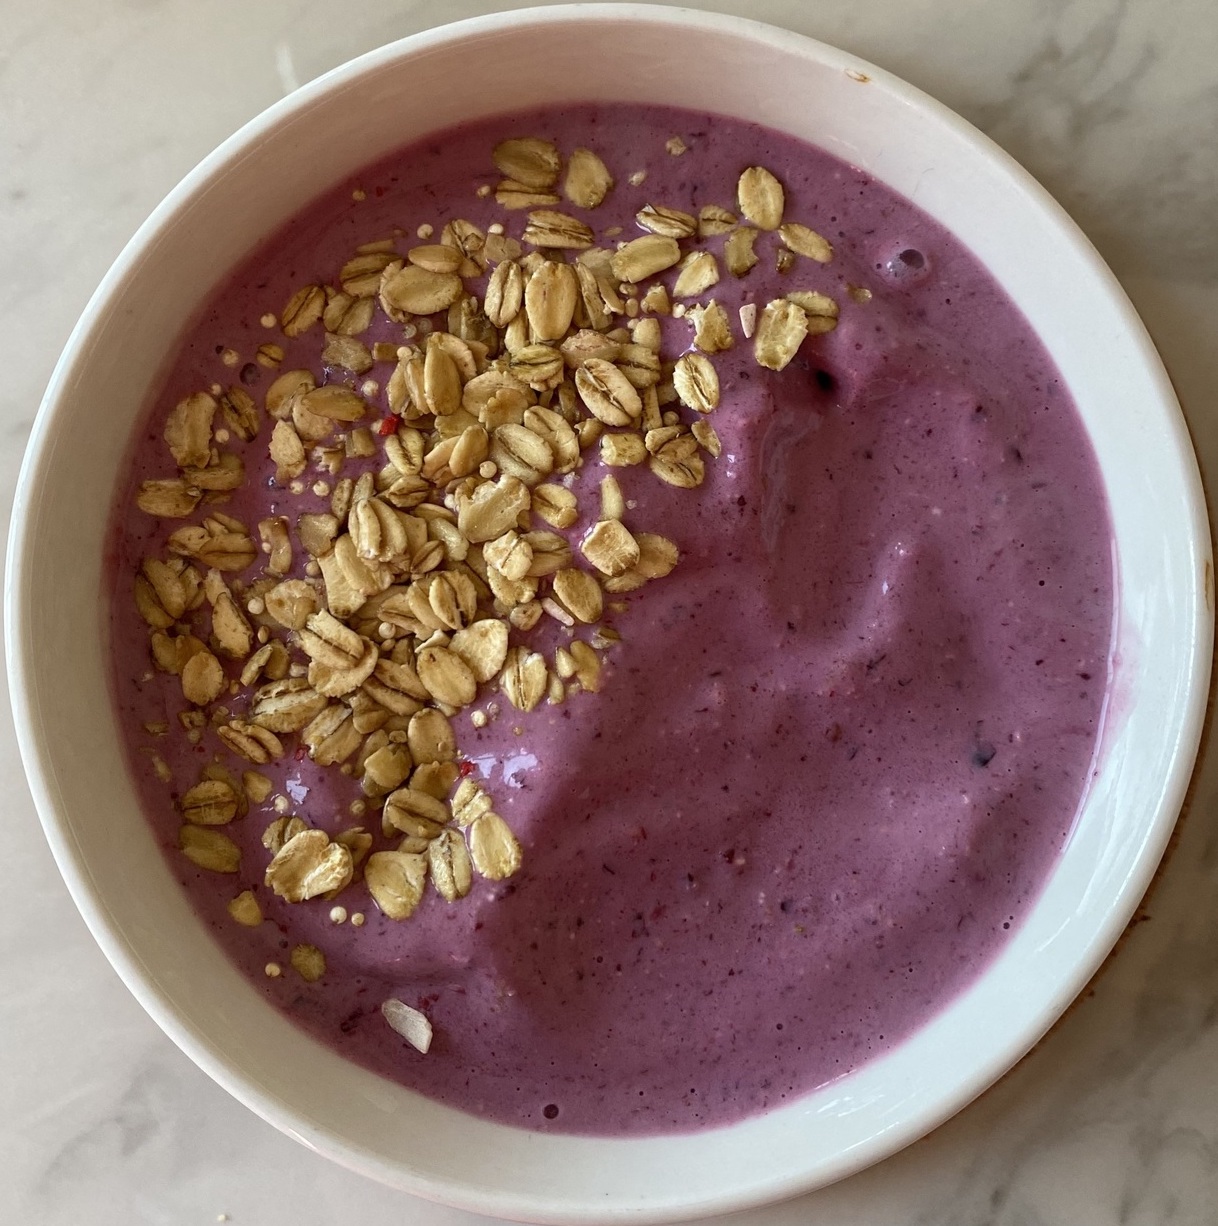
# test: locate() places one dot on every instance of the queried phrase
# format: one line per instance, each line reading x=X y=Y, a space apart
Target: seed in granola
x=657 y=557
x=610 y=547
x=587 y=666
x=209 y=849
x=492 y=508
x=644 y=257
x=287 y=705
x=216 y=543
x=447 y=677
x=430 y=737
x=539 y=366
x=640 y=364
x=386 y=768
x=202 y=679
x=551 y=426
x=708 y=440
x=171 y=498
x=441 y=382
x=483 y=646
x=395 y=880
x=714 y=220
x=821 y=310
x=529 y=160
x=678 y=463
x=334 y=402
x=493 y=848
x=256 y=744
x=287 y=452
x=470 y=240
x=412 y=290
x=588 y=180
x=171 y=653
x=510 y=554
x=268 y=355
x=331 y=736
x=699 y=271
x=281 y=395
x=308 y=962
x=556 y=505
x=512 y=194
x=647 y=333
x=712 y=330
x=523 y=678
x=504 y=293
x=696 y=382
x=230 y=630
x=170 y=587
x=550 y=553
x=211 y=802
x=760 y=197
x=613 y=501
x=550 y=228
x=415 y=813
x=347 y=352
x=280 y=831
x=738 y=253
x=804 y=241
x=303 y=310
x=780 y=332
x=276 y=539
x=257 y=786
x=246 y=910
x=450 y=865
x=361 y=275
x=436 y=257
x=622 y=449
x=345 y=315
x=188 y=430
x=578 y=592
x=607 y=392
x=549 y=299
x=518 y=452
x=308 y=865
x=673 y=223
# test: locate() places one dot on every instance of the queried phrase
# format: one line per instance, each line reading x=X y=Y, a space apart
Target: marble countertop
x=1113 y=104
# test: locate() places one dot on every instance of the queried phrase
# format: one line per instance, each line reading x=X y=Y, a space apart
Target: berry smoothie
x=801 y=780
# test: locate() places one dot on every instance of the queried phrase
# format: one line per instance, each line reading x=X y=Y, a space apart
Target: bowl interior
x=57 y=640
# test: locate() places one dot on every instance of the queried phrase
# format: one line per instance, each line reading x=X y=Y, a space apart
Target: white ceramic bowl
x=57 y=641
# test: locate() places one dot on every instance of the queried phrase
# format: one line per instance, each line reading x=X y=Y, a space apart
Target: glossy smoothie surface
x=838 y=749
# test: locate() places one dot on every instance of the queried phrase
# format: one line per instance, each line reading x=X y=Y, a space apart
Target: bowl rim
x=35 y=756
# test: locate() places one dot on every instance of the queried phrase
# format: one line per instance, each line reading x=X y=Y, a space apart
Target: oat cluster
x=359 y=633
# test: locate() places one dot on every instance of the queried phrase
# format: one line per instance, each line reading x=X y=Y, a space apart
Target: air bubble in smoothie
x=907 y=266
x=821 y=770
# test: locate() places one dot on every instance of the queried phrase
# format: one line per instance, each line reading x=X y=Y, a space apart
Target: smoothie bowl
x=646 y=633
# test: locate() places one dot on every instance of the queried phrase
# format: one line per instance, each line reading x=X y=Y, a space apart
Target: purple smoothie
x=839 y=748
